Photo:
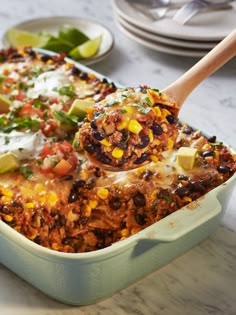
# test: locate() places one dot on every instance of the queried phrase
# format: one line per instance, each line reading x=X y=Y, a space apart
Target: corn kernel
x=90 y=111
x=170 y=144
x=5 y=199
x=55 y=246
x=103 y=193
x=124 y=232
x=206 y=147
x=29 y=205
x=40 y=189
x=150 y=135
x=134 y=126
x=52 y=198
x=50 y=62
x=154 y=158
x=93 y=204
x=87 y=211
x=72 y=216
x=105 y=142
x=6 y=192
x=7 y=217
x=157 y=111
x=122 y=125
x=129 y=109
x=187 y=199
x=117 y=153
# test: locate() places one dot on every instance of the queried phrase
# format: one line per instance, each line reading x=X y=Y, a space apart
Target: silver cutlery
x=155 y=9
x=190 y=9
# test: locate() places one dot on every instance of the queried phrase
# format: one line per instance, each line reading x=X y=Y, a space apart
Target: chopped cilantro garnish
x=67 y=90
x=64 y=118
x=123 y=111
x=26 y=171
x=39 y=104
x=110 y=104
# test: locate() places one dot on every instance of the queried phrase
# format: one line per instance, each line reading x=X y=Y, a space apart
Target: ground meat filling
x=128 y=129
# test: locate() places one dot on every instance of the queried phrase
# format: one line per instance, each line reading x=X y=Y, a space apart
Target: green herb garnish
x=26 y=171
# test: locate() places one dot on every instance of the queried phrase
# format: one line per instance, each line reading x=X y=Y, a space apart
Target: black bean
x=66 y=240
x=223 y=169
x=212 y=139
x=93 y=124
x=139 y=200
x=187 y=130
x=83 y=75
x=91 y=183
x=98 y=135
x=37 y=239
x=141 y=159
x=5 y=210
x=113 y=85
x=101 y=157
x=183 y=177
x=140 y=218
x=197 y=186
x=92 y=147
x=66 y=177
x=147 y=174
x=182 y=191
x=75 y=71
x=171 y=119
x=16 y=56
x=115 y=203
x=104 y=80
x=207 y=153
x=122 y=145
x=73 y=196
x=45 y=57
x=157 y=129
x=31 y=52
x=78 y=183
x=144 y=142
x=125 y=135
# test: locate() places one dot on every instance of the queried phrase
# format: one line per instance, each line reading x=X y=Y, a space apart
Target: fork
x=184 y=14
x=155 y=9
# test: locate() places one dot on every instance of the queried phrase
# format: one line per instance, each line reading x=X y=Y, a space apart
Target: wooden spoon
x=177 y=92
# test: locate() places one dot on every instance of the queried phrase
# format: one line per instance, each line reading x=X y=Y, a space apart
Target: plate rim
x=161 y=47
x=164 y=39
x=117 y=7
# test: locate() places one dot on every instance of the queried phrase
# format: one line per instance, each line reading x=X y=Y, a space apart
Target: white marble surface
x=202 y=281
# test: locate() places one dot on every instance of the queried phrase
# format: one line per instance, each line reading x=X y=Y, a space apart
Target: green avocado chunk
x=79 y=107
x=4 y=104
x=8 y=162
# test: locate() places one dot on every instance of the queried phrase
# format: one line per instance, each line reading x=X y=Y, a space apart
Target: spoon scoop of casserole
x=133 y=126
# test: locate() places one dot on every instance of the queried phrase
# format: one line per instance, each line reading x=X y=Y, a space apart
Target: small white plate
x=207 y=26
x=165 y=40
x=162 y=47
x=52 y=24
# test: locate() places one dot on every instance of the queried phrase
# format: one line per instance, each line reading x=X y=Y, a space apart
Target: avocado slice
x=79 y=107
x=8 y=162
x=4 y=104
x=186 y=157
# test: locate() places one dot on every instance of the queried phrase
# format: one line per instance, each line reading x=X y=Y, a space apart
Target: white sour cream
x=48 y=83
x=25 y=145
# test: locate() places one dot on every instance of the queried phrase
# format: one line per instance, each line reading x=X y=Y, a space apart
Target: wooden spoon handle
x=178 y=91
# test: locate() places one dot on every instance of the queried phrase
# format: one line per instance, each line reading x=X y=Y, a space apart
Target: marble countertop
x=200 y=282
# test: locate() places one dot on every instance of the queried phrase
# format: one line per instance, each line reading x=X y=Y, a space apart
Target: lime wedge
x=86 y=50
x=58 y=45
x=19 y=38
x=72 y=35
x=79 y=107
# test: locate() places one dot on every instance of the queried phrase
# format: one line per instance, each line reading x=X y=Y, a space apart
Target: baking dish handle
x=186 y=219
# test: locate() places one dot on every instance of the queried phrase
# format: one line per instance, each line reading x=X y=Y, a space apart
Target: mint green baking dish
x=85 y=278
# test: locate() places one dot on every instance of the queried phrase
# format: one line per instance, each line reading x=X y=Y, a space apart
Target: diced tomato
x=48 y=127
x=20 y=97
x=62 y=168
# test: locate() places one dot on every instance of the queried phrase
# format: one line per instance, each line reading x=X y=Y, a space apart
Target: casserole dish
x=84 y=278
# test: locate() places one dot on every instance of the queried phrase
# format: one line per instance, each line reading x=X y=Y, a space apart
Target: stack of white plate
x=193 y=39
